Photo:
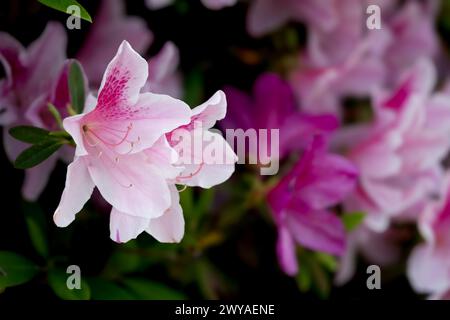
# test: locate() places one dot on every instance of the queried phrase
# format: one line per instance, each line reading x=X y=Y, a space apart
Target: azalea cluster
x=363 y=118
x=388 y=165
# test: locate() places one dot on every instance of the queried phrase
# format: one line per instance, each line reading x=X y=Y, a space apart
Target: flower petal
x=123 y=79
x=124 y=227
x=111 y=26
x=170 y=226
x=130 y=183
x=286 y=252
x=78 y=190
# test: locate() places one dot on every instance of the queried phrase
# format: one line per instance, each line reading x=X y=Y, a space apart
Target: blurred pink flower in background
x=210 y=4
x=163 y=75
x=301 y=204
x=351 y=60
x=265 y=16
x=399 y=156
x=429 y=263
x=111 y=27
x=380 y=248
x=273 y=106
x=32 y=76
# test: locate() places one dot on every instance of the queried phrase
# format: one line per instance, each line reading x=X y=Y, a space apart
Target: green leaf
x=56 y=115
x=106 y=290
x=124 y=260
x=62 y=5
x=187 y=200
x=30 y=134
x=35 y=219
x=194 y=84
x=15 y=269
x=37 y=153
x=321 y=280
x=304 y=278
x=326 y=260
x=144 y=289
x=352 y=220
x=76 y=86
x=57 y=279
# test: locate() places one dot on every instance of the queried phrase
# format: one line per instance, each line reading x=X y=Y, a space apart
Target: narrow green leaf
x=35 y=219
x=56 y=115
x=15 y=269
x=352 y=220
x=62 y=5
x=144 y=289
x=326 y=260
x=303 y=278
x=37 y=153
x=29 y=134
x=57 y=279
x=106 y=290
x=76 y=87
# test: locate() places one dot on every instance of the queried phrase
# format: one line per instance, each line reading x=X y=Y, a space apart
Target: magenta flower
x=302 y=200
x=399 y=156
x=429 y=265
x=111 y=27
x=265 y=16
x=273 y=107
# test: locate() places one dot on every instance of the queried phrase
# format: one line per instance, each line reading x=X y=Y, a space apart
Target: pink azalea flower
x=200 y=171
x=265 y=16
x=429 y=265
x=350 y=60
x=119 y=139
x=273 y=107
x=399 y=156
x=123 y=150
x=382 y=249
x=210 y=4
x=163 y=76
x=33 y=77
x=29 y=72
x=340 y=62
x=414 y=35
x=302 y=200
x=111 y=26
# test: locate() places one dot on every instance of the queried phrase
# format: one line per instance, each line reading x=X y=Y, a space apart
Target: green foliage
x=107 y=290
x=352 y=220
x=35 y=219
x=62 y=5
x=45 y=143
x=77 y=87
x=144 y=289
x=57 y=280
x=15 y=269
x=37 y=153
x=123 y=260
x=30 y=134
